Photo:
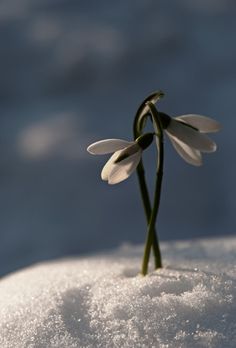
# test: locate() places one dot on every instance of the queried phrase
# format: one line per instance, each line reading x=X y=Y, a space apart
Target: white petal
x=202 y=123
x=124 y=169
x=190 y=136
x=103 y=147
x=127 y=152
x=109 y=165
x=189 y=154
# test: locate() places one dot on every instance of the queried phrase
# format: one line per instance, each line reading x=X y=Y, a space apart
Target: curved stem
x=137 y=130
x=143 y=112
x=151 y=226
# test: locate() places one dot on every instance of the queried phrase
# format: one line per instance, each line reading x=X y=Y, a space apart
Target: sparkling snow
x=101 y=301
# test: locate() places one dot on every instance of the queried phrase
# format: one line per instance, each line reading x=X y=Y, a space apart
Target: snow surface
x=101 y=301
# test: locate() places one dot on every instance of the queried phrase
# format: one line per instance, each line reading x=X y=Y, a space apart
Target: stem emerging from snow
x=144 y=193
x=151 y=235
x=151 y=214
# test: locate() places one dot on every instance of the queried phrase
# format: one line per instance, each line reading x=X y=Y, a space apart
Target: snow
x=102 y=301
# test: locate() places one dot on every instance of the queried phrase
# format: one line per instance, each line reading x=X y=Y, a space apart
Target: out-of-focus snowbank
x=100 y=301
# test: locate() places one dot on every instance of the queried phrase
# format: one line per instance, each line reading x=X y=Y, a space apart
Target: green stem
x=139 y=122
x=148 y=211
x=151 y=226
x=146 y=201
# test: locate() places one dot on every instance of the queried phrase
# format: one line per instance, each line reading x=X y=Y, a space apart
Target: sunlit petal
x=106 y=146
x=190 y=136
x=124 y=169
x=190 y=155
x=202 y=123
x=109 y=165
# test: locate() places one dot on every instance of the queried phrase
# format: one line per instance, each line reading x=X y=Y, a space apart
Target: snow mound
x=101 y=301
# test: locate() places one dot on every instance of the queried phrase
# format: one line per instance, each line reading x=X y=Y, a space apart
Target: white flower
x=186 y=134
x=126 y=157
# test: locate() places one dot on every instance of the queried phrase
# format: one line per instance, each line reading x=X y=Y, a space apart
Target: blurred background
x=73 y=72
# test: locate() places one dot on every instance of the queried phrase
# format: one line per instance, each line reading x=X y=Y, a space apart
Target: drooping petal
x=190 y=155
x=106 y=146
x=124 y=169
x=190 y=136
x=109 y=165
x=120 y=155
x=202 y=123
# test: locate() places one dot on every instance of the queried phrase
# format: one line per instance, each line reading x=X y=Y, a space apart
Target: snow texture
x=101 y=301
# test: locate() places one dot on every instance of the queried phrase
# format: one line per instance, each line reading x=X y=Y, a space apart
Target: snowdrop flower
x=126 y=157
x=186 y=134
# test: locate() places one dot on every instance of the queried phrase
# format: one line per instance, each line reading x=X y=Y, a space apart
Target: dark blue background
x=72 y=72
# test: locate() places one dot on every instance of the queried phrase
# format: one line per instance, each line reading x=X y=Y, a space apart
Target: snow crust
x=101 y=301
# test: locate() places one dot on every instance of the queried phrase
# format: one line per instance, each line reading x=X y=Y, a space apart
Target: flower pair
x=186 y=133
